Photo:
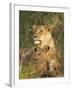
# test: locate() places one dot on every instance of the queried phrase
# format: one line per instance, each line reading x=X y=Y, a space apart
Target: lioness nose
x=35 y=36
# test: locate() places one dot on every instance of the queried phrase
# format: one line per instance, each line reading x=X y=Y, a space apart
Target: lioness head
x=42 y=35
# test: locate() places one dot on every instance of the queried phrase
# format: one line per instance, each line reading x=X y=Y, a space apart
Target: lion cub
x=46 y=63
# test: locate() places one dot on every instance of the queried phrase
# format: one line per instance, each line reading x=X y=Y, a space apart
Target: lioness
x=42 y=36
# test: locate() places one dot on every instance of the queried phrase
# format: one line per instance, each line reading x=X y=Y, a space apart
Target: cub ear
x=35 y=49
x=46 y=48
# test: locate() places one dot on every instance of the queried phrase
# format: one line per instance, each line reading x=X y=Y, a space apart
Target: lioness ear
x=34 y=26
x=48 y=28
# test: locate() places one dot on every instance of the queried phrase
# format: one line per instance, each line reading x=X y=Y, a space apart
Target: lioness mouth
x=37 y=41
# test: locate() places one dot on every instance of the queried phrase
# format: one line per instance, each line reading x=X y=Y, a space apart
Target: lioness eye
x=48 y=29
x=41 y=30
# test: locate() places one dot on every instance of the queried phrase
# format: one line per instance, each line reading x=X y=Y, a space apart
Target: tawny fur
x=43 y=36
